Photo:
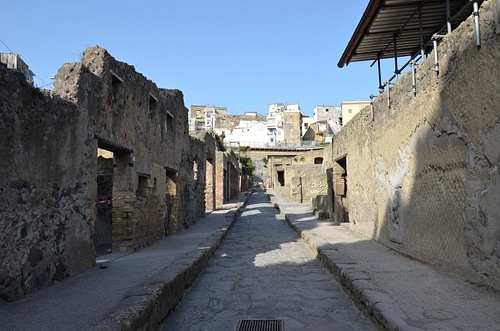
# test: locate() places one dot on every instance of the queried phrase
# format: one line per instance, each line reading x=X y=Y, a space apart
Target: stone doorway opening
x=340 y=198
x=114 y=164
x=103 y=228
x=169 y=220
x=281 y=177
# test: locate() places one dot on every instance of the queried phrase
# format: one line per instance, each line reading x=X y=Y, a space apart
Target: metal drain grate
x=260 y=325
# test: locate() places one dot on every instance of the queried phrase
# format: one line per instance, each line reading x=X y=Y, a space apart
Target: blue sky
x=243 y=55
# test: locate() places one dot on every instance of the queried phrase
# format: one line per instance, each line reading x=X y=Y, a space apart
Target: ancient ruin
x=102 y=163
x=419 y=172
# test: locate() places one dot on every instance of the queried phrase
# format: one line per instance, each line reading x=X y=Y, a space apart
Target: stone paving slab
x=125 y=291
x=264 y=272
x=400 y=293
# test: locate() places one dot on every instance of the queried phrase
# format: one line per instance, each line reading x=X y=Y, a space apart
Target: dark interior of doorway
x=281 y=177
x=103 y=229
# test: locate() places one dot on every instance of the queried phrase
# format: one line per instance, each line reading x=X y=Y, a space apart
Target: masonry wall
x=233 y=175
x=46 y=193
x=140 y=124
x=423 y=177
x=292 y=128
x=210 y=187
x=49 y=182
x=191 y=185
x=306 y=182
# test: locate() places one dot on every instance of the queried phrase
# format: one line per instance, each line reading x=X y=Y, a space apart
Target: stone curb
x=145 y=306
x=378 y=305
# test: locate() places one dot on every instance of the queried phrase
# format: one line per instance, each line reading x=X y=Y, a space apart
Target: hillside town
x=284 y=126
x=107 y=165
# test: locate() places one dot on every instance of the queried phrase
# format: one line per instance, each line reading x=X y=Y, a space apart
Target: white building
x=248 y=133
x=331 y=114
x=274 y=119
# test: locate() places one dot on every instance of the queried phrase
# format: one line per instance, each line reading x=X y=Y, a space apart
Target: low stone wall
x=306 y=185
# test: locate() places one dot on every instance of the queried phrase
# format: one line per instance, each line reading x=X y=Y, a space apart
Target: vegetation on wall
x=264 y=161
x=247 y=163
x=220 y=141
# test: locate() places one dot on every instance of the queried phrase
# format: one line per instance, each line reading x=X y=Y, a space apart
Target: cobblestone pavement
x=264 y=271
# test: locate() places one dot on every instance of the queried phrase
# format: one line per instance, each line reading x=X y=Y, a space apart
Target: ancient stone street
x=264 y=271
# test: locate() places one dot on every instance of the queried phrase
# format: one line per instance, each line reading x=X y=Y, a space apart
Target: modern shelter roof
x=412 y=22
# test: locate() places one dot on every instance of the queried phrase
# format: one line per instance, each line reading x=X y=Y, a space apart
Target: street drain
x=260 y=325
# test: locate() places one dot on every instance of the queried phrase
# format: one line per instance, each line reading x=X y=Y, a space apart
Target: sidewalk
x=400 y=293
x=125 y=291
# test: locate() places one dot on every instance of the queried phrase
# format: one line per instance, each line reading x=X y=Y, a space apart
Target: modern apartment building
x=207 y=117
x=284 y=124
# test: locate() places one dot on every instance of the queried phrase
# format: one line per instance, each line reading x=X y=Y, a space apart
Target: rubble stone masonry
x=50 y=174
x=423 y=176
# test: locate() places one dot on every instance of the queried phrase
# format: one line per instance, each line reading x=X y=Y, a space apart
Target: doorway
x=103 y=229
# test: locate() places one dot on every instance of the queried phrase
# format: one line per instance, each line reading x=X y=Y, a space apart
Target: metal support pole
x=300 y=189
x=448 y=16
x=436 y=59
x=421 y=31
x=371 y=107
x=413 y=78
x=388 y=94
x=380 y=86
x=476 y=24
x=396 y=71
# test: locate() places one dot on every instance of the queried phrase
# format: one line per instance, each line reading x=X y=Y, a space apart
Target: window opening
x=281 y=177
x=153 y=103
x=318 y=160
x=116 y=82
x=169 y=123
x=143 y=187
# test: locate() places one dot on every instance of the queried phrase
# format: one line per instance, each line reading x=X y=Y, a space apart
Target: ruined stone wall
x=220 y=179
x=292 y=128
x=46 y=196
x=276 y=166
x=50 y=179
x=179 y=163
x=233 y=171
x=303 y=178
x=191 y=187
x=305 y=183
x=260 y=172
x=146 y=129
x=210 y=187
x=308 y=157
x=423 y=176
